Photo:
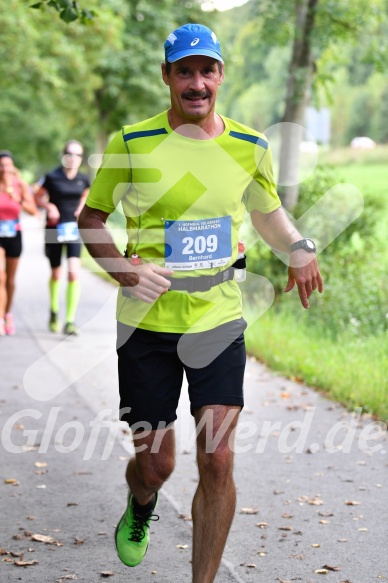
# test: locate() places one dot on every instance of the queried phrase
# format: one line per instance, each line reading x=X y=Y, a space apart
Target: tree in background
x=61 y=80
x=131 y=86
x=317 y=34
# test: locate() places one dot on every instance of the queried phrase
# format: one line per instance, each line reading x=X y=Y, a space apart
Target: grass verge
x=352 y=371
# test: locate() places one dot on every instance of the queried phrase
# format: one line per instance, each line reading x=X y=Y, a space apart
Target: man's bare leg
x=215 y=499
x=152 y=464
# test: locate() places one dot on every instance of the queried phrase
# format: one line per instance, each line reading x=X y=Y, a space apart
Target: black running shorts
x=12 y=245
x=54 y=252
x=151 y=366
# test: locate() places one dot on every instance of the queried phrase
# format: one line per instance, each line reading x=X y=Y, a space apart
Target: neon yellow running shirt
x=184 y=201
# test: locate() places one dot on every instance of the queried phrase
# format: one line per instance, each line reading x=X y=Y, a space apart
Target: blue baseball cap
x=192 y=39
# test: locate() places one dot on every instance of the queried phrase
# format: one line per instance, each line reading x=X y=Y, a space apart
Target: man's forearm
x=276 y=229
x=102 y=248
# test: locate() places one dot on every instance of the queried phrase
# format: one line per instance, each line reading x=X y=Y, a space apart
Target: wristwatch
x=306 y=244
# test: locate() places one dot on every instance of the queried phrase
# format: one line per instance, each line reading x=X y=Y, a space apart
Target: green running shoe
x=54 y=323
x=70 y=329
x=132 y=534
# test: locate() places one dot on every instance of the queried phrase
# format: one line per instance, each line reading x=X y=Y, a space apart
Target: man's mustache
x=195 y=94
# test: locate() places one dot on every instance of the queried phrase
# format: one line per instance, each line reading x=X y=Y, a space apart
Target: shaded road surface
x=312 y=484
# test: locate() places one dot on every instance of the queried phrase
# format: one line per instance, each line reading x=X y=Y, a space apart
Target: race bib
x=201 y=244
x=67 y=232
x=8 y=228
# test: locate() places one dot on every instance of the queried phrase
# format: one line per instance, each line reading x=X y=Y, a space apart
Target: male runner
x=184 y=179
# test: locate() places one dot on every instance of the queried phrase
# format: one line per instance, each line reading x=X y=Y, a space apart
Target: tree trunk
x=300 y=77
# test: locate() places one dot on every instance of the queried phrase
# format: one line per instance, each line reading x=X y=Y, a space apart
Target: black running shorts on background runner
x=12 y=245
x=53 y=252
x=151 y=366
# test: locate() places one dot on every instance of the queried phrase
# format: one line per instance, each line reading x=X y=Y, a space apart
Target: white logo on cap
x=194 y=42
x=171 y=38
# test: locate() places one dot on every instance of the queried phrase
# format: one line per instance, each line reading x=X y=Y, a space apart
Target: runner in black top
x=62 y=193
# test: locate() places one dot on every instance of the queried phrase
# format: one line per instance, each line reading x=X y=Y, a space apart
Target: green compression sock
x=55 y=285
x=72 y=299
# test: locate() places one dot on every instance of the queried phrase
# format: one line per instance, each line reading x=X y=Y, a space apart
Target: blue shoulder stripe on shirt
x=144 y=134
x=250 y=138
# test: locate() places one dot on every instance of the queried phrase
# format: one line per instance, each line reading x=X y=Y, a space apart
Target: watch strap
x=303 y=244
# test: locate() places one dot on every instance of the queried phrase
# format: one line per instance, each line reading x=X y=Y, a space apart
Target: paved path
x=307 y=506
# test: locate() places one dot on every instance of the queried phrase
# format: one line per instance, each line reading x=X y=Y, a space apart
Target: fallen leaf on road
x=315 y=501
x=66 y=578
x=25 y=563
x=262 y=524
x=12 y=481
x=79 y=541
x=321 y=571
x=18 y=537
x=362 y=530
x=185 y=516
x=284 y=527
x=352 y=503
x=42 y=538
x=326 y=514
x=41 y=464
x=329 y=568
x=324 y=522
x=182 y=546
x=249 y=511
x=342 y=540
x=72 y=504
x=315 y=545
x=297 y=379
x=3 y=552
x=107 y=573
x=251 y=565
x=31 y=517
x=285 y=395
x=19 y=554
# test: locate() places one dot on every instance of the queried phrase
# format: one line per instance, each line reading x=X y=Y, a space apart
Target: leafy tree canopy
x=82 y=78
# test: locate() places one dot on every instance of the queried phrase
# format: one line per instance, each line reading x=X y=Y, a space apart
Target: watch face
x=310 y=244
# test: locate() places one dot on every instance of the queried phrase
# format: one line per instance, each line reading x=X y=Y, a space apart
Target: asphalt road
x=311 y=477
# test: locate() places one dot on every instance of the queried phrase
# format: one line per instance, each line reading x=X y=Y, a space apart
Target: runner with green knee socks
x=62 y=194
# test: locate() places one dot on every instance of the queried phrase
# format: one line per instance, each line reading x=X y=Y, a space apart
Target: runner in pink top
x=15 y=196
